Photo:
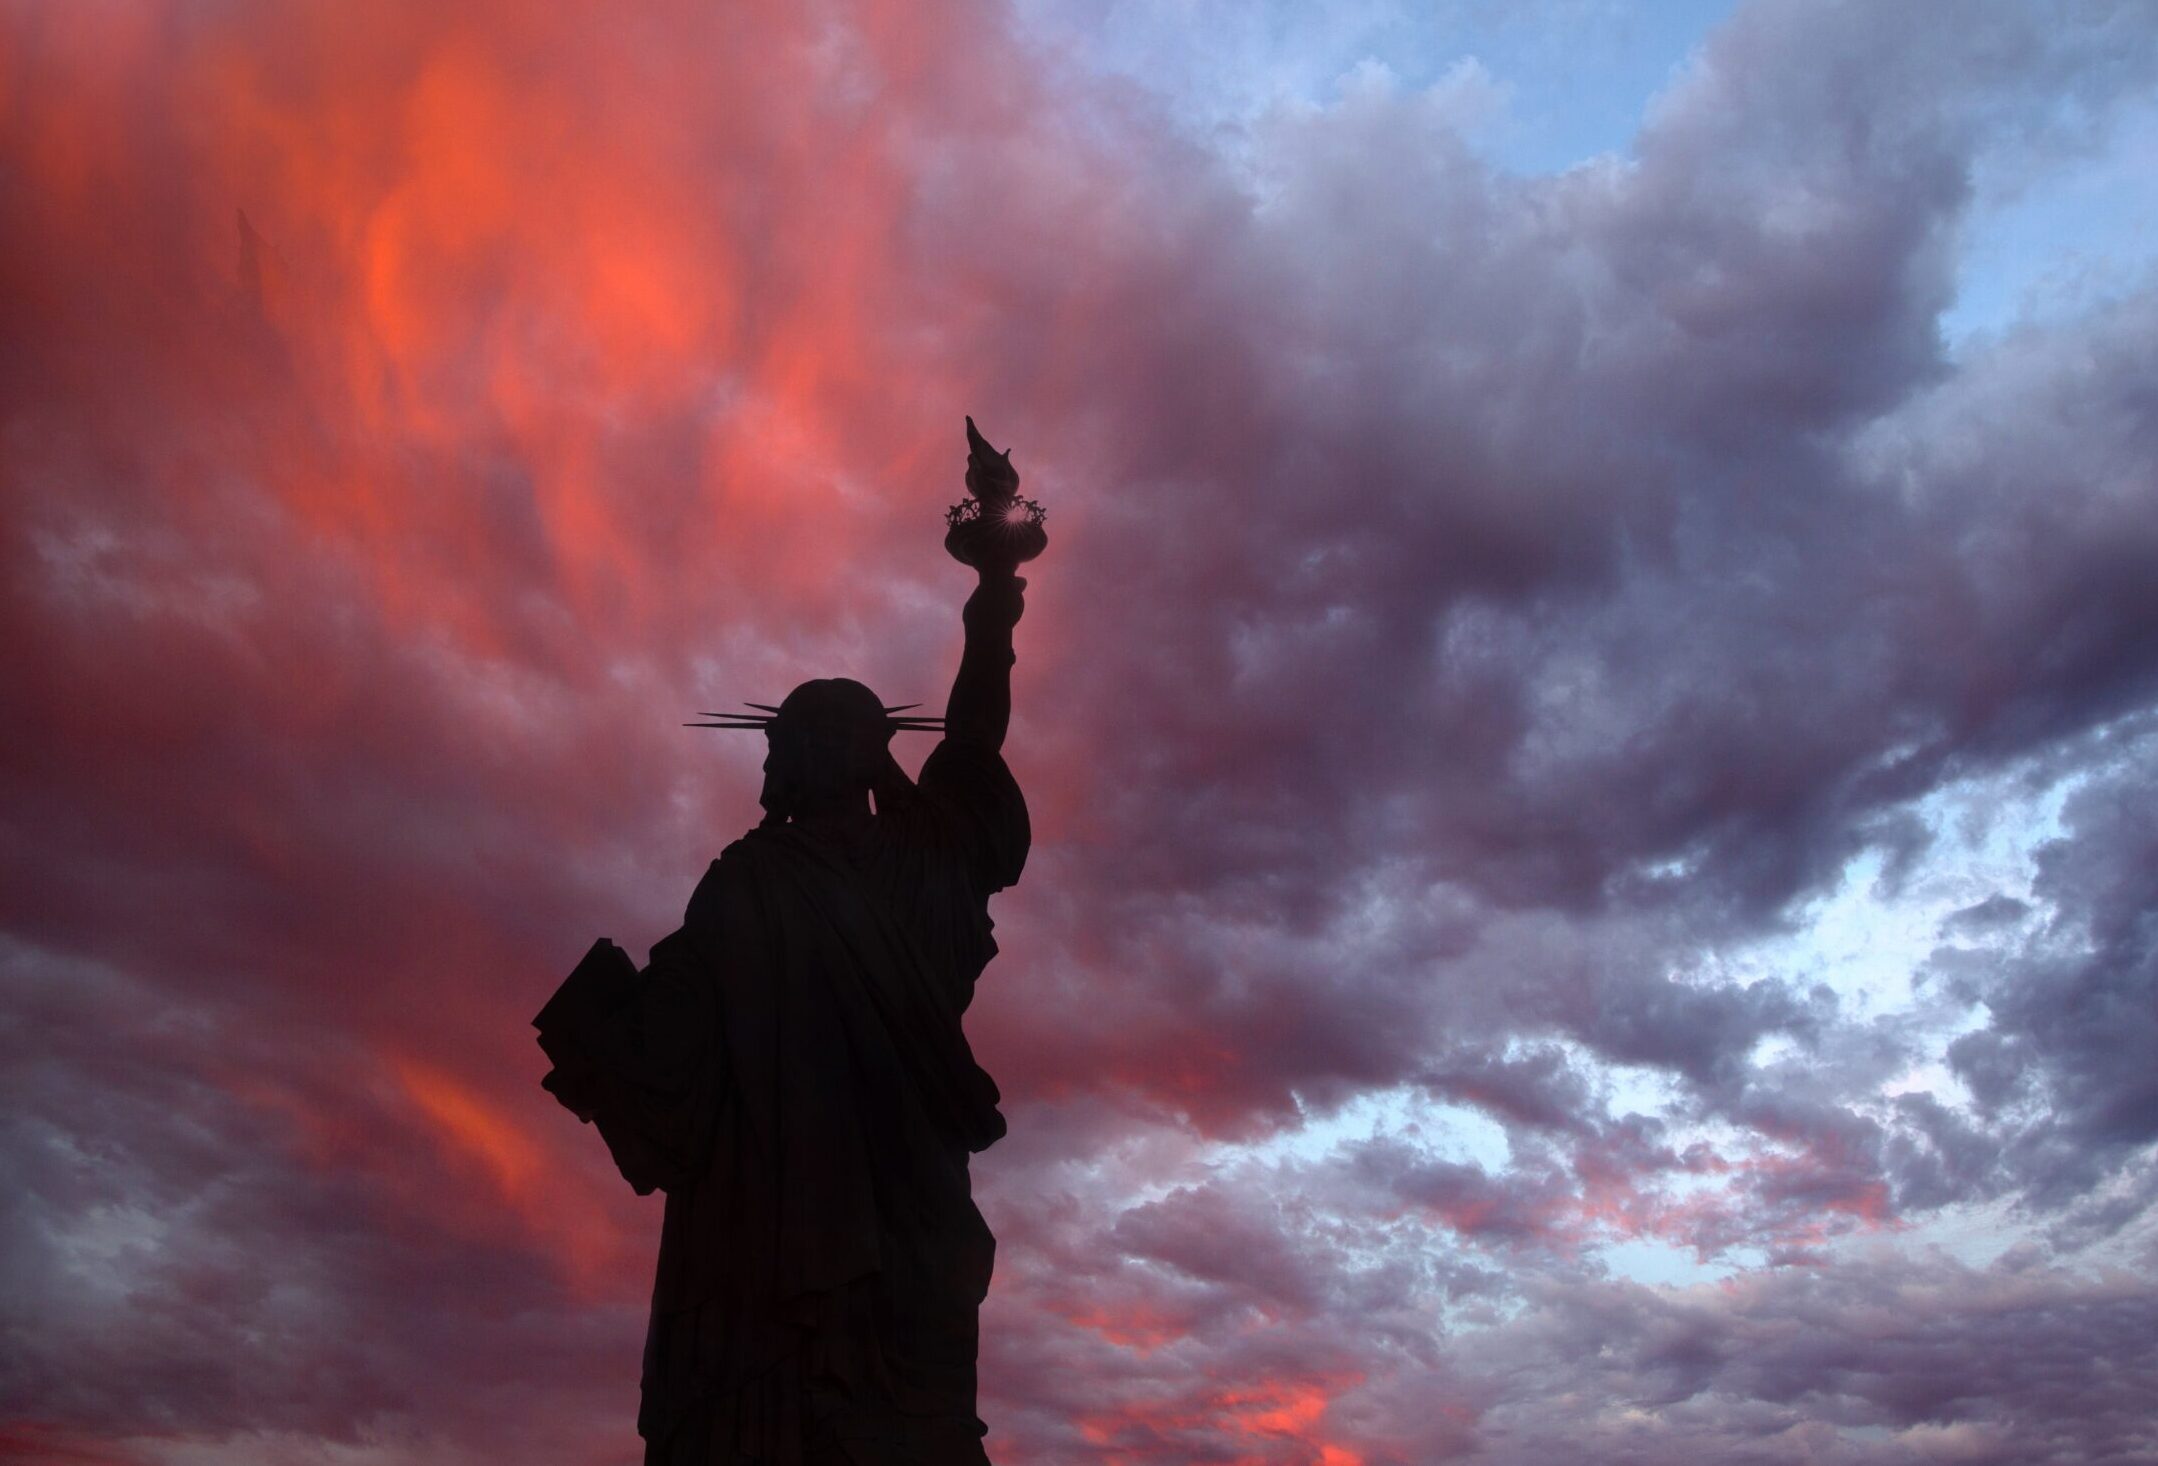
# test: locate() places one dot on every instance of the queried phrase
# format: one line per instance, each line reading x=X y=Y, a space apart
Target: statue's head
x=829 y=743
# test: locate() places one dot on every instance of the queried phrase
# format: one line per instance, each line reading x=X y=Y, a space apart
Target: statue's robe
x=791 y=1070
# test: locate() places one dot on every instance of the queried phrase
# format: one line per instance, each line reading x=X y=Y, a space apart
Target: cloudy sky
x=1590 y=711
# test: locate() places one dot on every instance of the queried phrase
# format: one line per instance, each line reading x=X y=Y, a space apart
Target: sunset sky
x=1591 y=712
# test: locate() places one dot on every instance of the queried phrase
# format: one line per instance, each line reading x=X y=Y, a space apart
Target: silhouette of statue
x=790 y=1067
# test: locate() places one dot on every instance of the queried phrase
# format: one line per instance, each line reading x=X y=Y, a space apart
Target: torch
x=993 y=529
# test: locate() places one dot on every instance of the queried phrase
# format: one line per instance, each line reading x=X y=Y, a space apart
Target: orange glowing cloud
x=500 y=245
x=1138 y=1326
x=1268 y=1423
x=471 y=1129
x=477 y=1137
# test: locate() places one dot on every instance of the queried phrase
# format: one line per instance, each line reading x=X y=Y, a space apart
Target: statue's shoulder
x=742 y=853
x=725 y=877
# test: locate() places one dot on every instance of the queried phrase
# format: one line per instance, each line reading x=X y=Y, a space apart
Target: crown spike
x=899 y=718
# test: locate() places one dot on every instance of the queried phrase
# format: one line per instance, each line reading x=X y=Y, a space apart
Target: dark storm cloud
x=1620 y=546
x=1477 y=606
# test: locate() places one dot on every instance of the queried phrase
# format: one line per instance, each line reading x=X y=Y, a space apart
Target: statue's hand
x=990 y=475
x=996 y=605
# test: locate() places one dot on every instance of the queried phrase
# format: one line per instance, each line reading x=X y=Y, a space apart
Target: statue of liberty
x=790 y=1067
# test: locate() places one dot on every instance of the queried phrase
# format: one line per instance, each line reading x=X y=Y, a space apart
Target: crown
x=764 y=714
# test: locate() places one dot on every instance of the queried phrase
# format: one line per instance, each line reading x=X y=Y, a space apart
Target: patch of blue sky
x=2059 y=237
x=1975 y=1234
x=1869 y=939
x=1621 y=1089
x=1439 y=1128
x=1658 y=1264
